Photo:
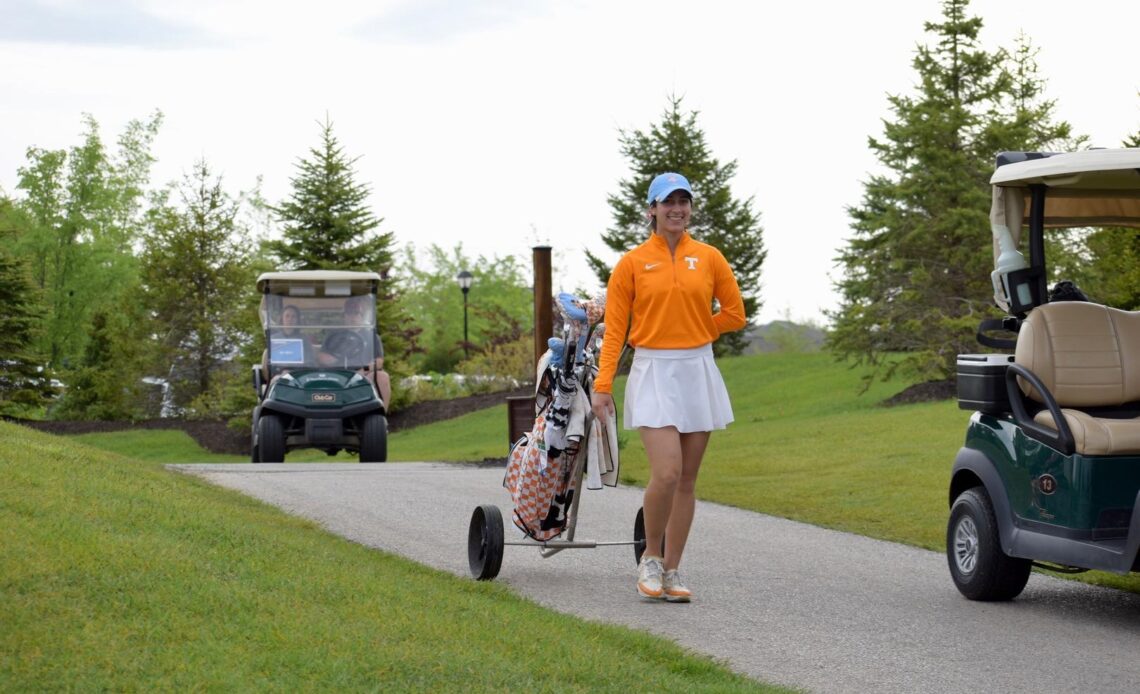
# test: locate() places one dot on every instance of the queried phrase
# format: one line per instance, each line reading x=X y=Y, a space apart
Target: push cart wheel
x=639 y=536
x=485 y=542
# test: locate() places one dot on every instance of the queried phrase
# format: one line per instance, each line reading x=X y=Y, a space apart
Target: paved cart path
x=780 y=601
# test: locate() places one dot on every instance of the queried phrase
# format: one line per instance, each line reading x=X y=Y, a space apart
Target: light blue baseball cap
x=666 y=183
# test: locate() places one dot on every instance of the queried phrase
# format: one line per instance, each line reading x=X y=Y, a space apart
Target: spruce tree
x=24 y=384
x=328 y=225
x=1133 y=140
x=917 y=271
x=678 y=144
x=107 y=384
x=197 y=277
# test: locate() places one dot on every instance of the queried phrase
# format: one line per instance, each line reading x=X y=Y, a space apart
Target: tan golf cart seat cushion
x=1087 y=355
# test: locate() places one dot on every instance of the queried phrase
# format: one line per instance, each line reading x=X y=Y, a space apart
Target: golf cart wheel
x=980 y=570
x=270 y=439
x=485 y=542
x=374 y=439
x=639 y=537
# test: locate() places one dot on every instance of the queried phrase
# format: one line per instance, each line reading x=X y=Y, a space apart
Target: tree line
x=123 y=301
x=120 y=299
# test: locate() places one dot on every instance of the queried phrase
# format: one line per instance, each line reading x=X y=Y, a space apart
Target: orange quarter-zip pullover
x=665 y=300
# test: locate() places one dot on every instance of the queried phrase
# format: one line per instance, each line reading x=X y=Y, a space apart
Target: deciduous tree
x=82 y=212
x=500 y=304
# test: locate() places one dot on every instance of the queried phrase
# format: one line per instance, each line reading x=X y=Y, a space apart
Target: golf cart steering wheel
x=345 y=345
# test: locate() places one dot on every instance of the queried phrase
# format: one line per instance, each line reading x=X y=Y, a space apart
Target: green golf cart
x=1049 y=474
x=317 y=384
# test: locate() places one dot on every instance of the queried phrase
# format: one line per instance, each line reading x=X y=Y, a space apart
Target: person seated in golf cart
x=349 y=344
x=288 y=339
x=288 y=345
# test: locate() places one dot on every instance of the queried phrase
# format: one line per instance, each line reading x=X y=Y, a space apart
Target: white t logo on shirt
x=692 y=262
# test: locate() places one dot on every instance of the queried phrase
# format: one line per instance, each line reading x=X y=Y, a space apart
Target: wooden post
x=543 y=302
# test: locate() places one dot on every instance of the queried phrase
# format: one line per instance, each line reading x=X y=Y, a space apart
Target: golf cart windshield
x=320 y=324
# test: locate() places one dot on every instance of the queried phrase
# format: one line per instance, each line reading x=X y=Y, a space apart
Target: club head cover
x=571 y=307
x=557 y=351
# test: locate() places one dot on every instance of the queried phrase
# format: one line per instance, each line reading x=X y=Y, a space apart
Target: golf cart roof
x=1094 y=168
x=312 y=282
x=1097 y=187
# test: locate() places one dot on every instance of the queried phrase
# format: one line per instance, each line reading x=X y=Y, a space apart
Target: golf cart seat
x=1087 y=356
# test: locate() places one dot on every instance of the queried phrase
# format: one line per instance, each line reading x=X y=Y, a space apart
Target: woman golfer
x=663 y=291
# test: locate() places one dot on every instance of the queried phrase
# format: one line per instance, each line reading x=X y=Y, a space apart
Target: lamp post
x=464 y=279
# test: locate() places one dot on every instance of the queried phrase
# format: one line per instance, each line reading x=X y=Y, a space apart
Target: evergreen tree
x=197 y=281
x=1133 y=140
x=327 y=222
x=678 y=144
x=329 y=226
x=107 y=382
x=25 y=385
x=917 y=271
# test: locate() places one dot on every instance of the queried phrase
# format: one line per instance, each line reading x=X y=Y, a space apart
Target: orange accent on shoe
x=649 y=592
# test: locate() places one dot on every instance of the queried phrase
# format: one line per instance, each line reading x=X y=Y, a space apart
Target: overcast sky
x=495 y=123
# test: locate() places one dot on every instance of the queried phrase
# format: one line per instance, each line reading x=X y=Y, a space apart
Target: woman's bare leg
x=684 y=498
x=663 y=448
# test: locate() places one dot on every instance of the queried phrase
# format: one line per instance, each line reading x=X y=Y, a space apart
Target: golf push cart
x=316 y=386
x=1049 y=474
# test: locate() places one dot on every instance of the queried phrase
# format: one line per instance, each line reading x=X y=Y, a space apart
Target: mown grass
x=155 y=445
x=119 y=575
x=176 y=446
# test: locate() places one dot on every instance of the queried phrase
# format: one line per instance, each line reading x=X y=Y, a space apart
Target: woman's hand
x=602 y=404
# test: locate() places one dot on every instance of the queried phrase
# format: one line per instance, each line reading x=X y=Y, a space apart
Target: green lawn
x=119 y=575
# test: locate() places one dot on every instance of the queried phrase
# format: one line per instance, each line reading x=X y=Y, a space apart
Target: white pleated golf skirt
x=676 y=387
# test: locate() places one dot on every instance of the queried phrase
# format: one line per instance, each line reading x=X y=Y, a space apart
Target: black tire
x=980 y=570
x=270 y=439
x=639 y=536
x=374 y=439
x=485 y=542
